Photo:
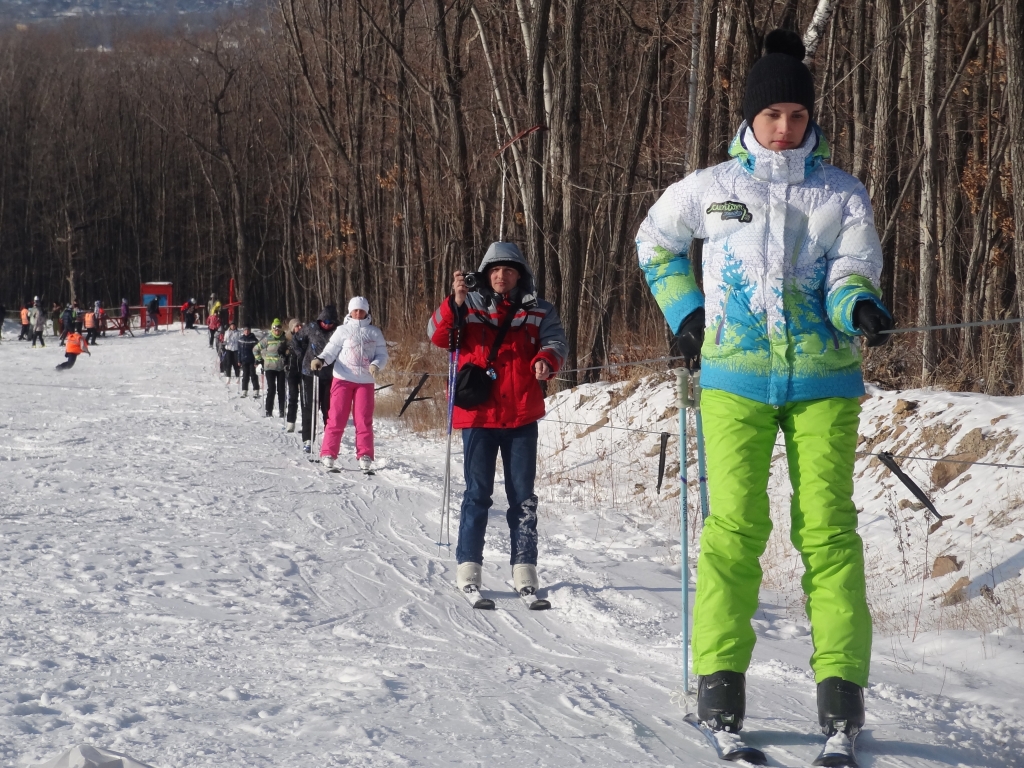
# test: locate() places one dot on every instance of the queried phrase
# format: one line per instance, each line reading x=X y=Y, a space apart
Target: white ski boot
x=524 y=578
x=366 y=464
x=291 y=426
x=468 y=575
x=327 y=462
x=306 y=447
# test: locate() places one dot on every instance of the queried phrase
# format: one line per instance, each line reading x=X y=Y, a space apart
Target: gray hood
x=509 y=253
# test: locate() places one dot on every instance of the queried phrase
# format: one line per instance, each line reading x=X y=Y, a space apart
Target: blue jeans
x=480 y=447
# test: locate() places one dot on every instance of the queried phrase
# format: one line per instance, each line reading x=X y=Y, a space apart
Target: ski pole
x=683 y=401
x=453 y=368
x=951 y=326
x=702 y=470
x=316 y=412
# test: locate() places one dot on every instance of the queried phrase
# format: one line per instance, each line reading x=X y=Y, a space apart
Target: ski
x=472 y=593
x=533 y=602
x=838 y=752
x=729 y=746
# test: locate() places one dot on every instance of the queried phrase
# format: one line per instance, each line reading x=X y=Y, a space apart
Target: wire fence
x=675 y=358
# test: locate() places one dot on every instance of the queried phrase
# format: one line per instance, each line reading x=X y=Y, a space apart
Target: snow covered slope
x=177 y=583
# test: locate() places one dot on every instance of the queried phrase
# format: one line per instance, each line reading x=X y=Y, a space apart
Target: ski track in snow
x=178 y=583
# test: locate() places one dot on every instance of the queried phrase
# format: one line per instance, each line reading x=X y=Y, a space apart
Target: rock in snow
x=86 y=756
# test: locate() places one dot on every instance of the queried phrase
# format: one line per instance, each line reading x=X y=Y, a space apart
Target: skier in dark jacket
x=153 y=314
x=67 y=323
x=126 y=316
x=293 y=372
x=307 y=344
x=246 y=343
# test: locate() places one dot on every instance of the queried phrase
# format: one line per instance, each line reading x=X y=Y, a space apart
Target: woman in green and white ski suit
x=791 y=262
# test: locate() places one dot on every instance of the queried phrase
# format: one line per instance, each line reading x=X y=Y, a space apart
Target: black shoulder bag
x=473 y=383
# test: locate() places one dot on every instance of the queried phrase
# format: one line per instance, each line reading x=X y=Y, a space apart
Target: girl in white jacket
x=358 y=351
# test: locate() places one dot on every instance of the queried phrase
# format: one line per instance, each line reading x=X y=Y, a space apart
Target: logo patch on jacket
x=731 y=210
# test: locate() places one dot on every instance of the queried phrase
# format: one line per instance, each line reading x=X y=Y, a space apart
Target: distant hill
x=43 y=10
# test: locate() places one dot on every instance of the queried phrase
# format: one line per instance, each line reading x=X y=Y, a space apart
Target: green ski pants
x=821 y=440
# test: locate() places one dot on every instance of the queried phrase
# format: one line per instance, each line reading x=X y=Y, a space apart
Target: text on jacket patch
x=731 y=210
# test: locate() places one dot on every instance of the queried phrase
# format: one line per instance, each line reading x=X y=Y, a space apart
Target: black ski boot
x=840 y=707
x=722 y=700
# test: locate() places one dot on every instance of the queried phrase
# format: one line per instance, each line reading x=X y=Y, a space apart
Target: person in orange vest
x=25 y=334
x=74 y=345
x=90 y=327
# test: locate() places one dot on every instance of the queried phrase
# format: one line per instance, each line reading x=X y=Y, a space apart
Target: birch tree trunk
x=571 y=256
x=883 y=181
x=700 y=140
x=816 y=28
x=1013 y=19
x=927 y=245
x=538 y=47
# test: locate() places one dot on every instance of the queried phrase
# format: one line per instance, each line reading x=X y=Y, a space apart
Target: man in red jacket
x=532 y=351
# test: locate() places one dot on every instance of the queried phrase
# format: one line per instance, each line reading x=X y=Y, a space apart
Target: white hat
x=358 y=302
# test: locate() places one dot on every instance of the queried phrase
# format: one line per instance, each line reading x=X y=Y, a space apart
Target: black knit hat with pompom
x=779 y=76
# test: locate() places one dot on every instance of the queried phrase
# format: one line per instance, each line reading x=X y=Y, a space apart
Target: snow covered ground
x=178 y=583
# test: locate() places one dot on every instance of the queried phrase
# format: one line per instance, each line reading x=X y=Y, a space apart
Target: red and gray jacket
x=536 y=333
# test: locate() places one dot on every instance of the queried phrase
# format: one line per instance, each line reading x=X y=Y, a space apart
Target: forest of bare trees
x=313 y=149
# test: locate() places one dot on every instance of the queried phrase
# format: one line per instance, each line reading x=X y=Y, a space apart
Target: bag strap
x=502 y=332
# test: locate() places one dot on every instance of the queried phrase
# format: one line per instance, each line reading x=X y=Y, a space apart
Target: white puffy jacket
x=353 y=348
x=790 y=248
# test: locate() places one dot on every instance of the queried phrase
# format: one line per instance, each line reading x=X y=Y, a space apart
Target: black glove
x=689 y=338
x=872 y=320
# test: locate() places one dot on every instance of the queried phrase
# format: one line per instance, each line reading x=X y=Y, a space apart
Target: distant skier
x=37 y=323
x=307 y=344
x=229 y=361
x=188 y=315
x=293 y=373
x=55 y=311
x=358 y=351
x=212 y=324
x=26 y=326
x=791 y=262
x=271 y=353
x=101 y=319
x=153 y=314
x=247 y=360
x=74 y=345
x=67 y=323
x=532 y=351
x=126 y=317
x=91 y=329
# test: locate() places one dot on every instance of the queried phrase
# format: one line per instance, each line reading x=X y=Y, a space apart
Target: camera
x=475 y=280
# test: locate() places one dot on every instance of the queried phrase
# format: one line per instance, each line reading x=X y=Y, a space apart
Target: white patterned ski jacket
x=790 y=247
x=353 y=348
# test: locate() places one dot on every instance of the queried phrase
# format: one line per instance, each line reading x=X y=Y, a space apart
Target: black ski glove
x=872 y=320
x=689 y=338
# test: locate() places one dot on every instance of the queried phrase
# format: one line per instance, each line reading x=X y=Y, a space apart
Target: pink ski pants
x=348 y=397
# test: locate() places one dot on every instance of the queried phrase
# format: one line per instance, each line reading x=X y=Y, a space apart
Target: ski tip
x=836 y=761
x=540 y=605
x=752 y=756
x=484 y=604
